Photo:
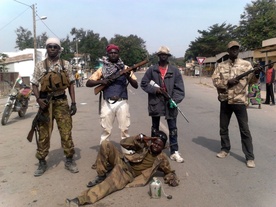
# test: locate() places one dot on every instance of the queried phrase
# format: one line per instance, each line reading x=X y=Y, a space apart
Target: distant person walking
x=232 y=94
x=77 y=77
x=270 y=78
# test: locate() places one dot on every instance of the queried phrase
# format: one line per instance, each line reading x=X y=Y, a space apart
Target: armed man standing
x=115 y=93
x=169 y=81
x=54 y=76
x=232 y=94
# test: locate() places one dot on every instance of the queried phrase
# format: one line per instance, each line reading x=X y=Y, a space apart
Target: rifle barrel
x=183 y=114
x=99 y=88
x=253 y=70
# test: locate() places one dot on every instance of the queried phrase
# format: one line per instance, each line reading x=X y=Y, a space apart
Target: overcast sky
x=173 y=23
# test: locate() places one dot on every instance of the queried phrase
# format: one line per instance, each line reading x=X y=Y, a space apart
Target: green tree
x=66 y=49
x=132 y=48
x=258 y=22
x=41 y=40
x=24 y=38
x=178 y=62
x=94 y=47
x=211 y=42
x=90 y=44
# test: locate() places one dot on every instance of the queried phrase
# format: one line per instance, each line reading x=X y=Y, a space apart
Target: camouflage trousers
x=60 y=113
x=117 y=179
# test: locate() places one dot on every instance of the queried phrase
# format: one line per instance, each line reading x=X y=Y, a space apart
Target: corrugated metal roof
x=210 y=60
x=18 y=58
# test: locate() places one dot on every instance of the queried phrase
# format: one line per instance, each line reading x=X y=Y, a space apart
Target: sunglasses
x=52 y=46
x=113 y=53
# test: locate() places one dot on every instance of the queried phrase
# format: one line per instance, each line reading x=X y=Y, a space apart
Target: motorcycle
x=18 y=101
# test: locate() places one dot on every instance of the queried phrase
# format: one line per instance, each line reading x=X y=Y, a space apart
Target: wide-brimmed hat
x=53 y=40
x=232 y=44
x=164 y=50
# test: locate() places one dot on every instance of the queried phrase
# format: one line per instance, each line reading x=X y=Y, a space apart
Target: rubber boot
x=71 y=166
x=42 y=166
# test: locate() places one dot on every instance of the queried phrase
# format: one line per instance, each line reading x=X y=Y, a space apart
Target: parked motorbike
x=18 y=101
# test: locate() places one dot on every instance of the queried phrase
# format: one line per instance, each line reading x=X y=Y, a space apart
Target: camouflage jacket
x=228 y=70
x=161 y=163
x=40 y=71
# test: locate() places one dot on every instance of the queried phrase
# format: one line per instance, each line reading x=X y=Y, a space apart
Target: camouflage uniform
x=227 y=70
x=60 y=112
x=234 y=100
x=122 y=174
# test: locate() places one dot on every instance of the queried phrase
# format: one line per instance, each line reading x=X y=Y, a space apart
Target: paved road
x=206 y=181
x=201 y=80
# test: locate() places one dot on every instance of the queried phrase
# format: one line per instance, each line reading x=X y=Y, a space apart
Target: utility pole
x=34 y=28
x=77 y=51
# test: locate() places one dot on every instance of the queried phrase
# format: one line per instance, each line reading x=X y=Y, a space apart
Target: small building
x=267 y=52
x=23 y=61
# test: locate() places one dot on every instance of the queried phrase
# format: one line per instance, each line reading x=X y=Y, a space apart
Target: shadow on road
x=211 y=144
x=56 y=156
x=214 y=146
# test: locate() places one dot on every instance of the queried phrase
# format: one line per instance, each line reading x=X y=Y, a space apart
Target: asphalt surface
x=205 y=181
x=201 y=80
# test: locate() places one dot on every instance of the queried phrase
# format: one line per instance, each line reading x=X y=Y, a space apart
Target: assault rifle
x=39 y=118
x=171 y=101
x=254 y=69
x=101 y=87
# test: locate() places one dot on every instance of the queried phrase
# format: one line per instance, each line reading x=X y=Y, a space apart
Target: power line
x=46 y=25
x=13 y=20
x=22 y=14
x=23 y=3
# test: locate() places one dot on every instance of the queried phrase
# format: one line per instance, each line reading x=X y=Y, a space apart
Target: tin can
x=155 y=188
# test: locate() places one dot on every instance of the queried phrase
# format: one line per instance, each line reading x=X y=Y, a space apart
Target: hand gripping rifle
x=39 y=118
x=101 y=87
x=171 y=101
x=254 y=69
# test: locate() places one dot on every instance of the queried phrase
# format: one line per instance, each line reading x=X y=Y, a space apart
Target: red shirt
x=269 y=75
x=163 y=71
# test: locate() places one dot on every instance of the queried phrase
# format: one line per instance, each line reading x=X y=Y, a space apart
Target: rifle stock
x=101 y=87
x=30 y=135
x=37 y=117
x=34 y=125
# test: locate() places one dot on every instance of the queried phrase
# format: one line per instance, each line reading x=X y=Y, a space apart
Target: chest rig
x=54 y=80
